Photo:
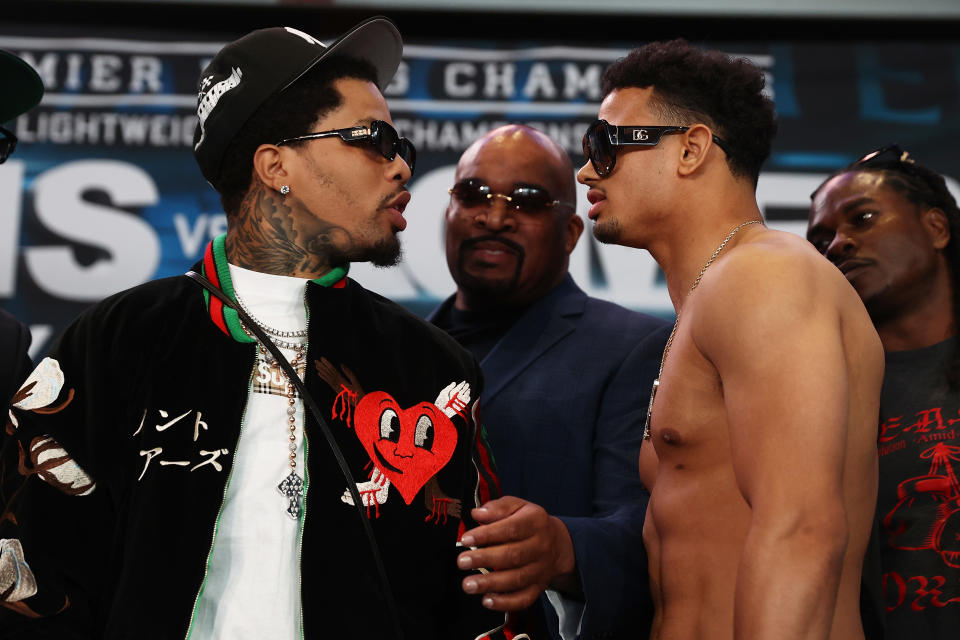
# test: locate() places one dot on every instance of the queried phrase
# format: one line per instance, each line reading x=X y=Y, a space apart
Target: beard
x=487 y=288
x=386 y=252
x=608 y=231
x=484 y=287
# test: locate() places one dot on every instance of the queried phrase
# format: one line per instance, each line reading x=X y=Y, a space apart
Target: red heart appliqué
x=409 y=446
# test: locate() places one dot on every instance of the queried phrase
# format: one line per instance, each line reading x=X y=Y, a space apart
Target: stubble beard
x=608 y=231
x=385 y=252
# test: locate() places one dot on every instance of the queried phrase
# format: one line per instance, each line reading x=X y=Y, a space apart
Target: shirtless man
x=763 y=465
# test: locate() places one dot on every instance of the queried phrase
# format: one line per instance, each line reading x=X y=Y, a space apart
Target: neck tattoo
x=666 y=349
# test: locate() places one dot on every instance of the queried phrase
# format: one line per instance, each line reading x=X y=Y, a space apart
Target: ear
x=571 y=232
x=696 y=143
x=937 y=226
x=268 y=166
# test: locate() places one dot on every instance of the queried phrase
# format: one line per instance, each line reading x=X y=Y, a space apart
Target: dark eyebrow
x=814 y=230
x=847 y=208
x=862 y=200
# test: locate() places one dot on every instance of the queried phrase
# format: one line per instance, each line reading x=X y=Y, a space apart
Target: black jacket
x=119 y=545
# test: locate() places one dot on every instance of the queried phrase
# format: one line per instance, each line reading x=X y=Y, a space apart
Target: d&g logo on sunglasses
x=358 y=132
x=640 y=134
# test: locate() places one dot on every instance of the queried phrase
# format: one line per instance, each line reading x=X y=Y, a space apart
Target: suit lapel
x=544 y=324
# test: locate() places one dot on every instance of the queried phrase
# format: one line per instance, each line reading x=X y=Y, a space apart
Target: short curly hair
x=709 y=87
x=287 y=114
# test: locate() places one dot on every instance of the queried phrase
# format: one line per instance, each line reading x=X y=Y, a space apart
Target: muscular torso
x=698 y=518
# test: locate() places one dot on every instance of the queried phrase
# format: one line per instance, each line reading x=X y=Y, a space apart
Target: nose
x=840 y=247
x=405 y=448
x=398 y=170
x=586 y=174
x=496 y=215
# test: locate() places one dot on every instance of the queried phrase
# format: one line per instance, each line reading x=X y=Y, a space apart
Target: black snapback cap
x=248 y=71
x=22 y=87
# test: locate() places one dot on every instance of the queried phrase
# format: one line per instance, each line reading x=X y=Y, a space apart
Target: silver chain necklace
x=291 y=487
x=666 y=348
x=276 y=333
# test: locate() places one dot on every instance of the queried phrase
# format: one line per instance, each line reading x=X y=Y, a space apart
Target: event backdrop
x=103 y=192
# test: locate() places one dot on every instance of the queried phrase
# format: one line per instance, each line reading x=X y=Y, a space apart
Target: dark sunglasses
x=602 y=139
x=888 y=155
x=8 y=142
x=471 y=192
x=380 y=135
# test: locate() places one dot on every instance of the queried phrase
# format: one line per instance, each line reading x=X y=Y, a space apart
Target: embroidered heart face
x=408 y=445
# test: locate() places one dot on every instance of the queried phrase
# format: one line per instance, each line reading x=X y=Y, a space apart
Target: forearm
x=787 y=584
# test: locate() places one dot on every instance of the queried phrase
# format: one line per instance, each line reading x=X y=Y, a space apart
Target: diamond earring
x=284 y=190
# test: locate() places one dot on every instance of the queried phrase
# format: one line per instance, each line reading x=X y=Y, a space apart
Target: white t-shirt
x=252 y=588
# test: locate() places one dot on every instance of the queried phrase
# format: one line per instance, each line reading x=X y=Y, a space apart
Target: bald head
x=525 y=147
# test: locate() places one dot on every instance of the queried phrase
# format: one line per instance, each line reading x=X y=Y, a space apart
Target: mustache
x=386 y=200
x=470 y=242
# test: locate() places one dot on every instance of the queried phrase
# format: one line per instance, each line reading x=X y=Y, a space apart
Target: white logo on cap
x=212 y=97
x=306 y=36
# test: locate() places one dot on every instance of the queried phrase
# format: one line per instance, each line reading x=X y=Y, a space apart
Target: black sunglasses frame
x=8 y=143
x=892 y=157
x=379 y=135
x=626 y=136
x=890 y=154
x=524 y=198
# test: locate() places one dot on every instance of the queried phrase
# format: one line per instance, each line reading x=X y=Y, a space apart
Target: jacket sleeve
x=611 y=560
x=618 y=432
x=56 y=520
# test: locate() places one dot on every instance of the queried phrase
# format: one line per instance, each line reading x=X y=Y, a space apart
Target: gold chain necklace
x=666 y=349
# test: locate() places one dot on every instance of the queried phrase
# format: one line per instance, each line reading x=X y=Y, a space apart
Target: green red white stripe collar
x=216 y=270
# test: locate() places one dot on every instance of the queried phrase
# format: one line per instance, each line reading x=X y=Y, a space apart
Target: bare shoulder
x=772 y=285
x=772 y=267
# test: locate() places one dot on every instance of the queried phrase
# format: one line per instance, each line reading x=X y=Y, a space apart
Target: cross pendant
x=292 y=489
x=653 y=394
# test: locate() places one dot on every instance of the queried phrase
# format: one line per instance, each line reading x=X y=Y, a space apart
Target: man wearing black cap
x=217 y=499
x=22 y=91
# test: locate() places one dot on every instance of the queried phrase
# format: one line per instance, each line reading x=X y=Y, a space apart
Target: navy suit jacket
x=564 y=403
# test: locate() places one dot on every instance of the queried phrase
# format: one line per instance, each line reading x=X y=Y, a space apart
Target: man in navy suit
x=567 y=379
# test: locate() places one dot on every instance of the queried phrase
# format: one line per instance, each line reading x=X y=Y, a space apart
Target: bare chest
x=688 y=422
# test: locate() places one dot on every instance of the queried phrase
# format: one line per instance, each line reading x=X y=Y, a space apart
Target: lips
x=491 y=251
x=395 y=209
x=491 y=245
x=852 y=264
x=596 y=198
